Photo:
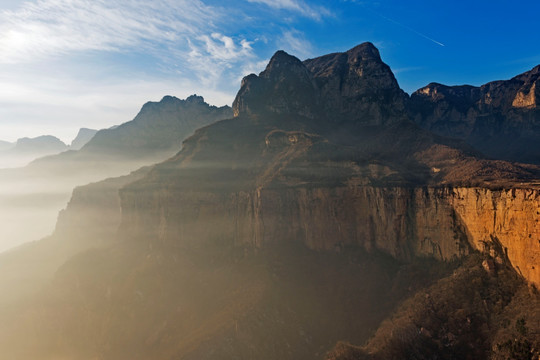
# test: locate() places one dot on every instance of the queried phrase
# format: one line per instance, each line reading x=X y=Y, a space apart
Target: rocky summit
x=500 y=118
x=355 y=86
x=326 y=219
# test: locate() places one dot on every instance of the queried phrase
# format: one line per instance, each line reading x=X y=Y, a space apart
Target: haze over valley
x=337 y=209
x=318 y=165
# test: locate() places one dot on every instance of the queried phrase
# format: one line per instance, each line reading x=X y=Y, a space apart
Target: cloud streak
x=295 y=43
x=57 y=27
x=296 y=6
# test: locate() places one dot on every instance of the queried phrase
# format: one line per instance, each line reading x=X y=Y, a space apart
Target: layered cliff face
x=444 y=223
x=490 y=117
x=510 y=218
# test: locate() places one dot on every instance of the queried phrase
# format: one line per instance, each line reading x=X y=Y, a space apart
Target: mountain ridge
x=281 y=230
x=115 y=152
x=489 y=117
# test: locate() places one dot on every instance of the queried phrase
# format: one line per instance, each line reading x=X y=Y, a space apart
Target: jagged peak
x=435 y=86
x=281 y=61
x=364 y=51
x=190 y=99
x=171 y=100
x=168 y=98
x=529 y=76
x=282 y=57
x=285 y=86
x=247 y=79
x=314 y=87
x=197 y=99
x=535 y=70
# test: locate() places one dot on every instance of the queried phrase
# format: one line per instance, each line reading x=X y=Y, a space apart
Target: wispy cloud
x=211 y=55
x=295 y=43
x=406 y=69
x=57 y=27
x=297 y=6
x=178 y=37
x=71 y=63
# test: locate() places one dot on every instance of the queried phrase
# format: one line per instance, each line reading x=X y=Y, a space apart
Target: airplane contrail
x=411 y=29
x=404 y=26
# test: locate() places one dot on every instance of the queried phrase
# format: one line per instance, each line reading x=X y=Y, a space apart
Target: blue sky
x=66 y=64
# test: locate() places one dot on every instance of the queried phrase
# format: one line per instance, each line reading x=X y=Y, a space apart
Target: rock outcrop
x=509 y=217
x=358 y=86
x=354 y=86
x=284 y=87
x=500 y=118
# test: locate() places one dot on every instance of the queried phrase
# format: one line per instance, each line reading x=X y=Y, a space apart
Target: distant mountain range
x=155 y=134
x=328 y=215
x=25 y=150
x=83 y=136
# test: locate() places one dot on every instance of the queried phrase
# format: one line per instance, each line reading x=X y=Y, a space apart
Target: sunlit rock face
x=444 y=223
x=510 y=217
x=490 y=117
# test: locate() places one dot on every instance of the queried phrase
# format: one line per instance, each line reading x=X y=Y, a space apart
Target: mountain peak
x=284 y=87
x=283 y=65
x=358 y=86
x=43 y=143
x=365 y=51
x=195 y=99
x=281 y=58
x=83 y=136
x=353 y=86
